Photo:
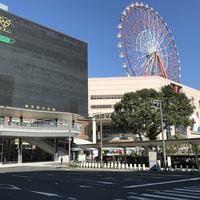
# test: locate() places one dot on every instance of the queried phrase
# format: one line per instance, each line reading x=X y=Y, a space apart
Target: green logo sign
x=6 y=39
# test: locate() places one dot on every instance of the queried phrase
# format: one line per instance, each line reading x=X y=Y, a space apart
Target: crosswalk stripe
x=162 y=197
x=181 y=192
x=193 y=187
x=177 y=195
x=161 y=183
x=189 y=190
x=138 y=198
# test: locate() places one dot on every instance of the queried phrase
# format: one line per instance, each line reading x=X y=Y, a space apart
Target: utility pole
x=101 y=143
x=162 y=129
x=69 y=144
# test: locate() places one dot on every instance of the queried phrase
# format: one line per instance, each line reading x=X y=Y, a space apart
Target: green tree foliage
x=137 y=113
x=177 y=108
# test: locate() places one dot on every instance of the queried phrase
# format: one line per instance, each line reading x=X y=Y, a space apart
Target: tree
x=135 y=112
x=177 y=108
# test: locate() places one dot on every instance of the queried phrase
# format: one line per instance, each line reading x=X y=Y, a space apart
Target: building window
x=101 y=106
x=96 y=97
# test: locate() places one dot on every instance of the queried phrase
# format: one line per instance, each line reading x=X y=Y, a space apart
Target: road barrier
x=133 y=167
x=113 y=165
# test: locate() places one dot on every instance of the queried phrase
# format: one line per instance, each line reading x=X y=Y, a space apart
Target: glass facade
x=40 y=68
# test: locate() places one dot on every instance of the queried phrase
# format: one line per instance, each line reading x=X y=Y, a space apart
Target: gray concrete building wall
x=41 y=68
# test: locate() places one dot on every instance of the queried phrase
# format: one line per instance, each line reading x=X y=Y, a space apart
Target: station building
x=103 y=93
x=43 y=88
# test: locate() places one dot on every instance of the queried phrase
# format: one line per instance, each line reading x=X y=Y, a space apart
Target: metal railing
x=76 y=127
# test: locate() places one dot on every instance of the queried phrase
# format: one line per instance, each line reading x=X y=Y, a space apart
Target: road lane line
x=132 y=193
x=86 y=186
x=189 y=190
x=104 y=182
x=9 y=187
x=181 y=192
x=177 y=195
x=72 y=198
x=46 y=194
x=138 y=198
x=162 y=197
x=161 y=183
x=20 y=176
x=193 y=187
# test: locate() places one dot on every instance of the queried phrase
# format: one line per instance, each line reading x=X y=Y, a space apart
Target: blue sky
x=95 y=22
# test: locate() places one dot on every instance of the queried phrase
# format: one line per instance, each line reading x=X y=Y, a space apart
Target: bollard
x=139 y=167
x=84 y=164
x=126 y=166
x=135 y=167
x=116 y=165
x=143 y=167
x=95 y=165
x=89 y=164
x=181 y=167
x=119 y=165
x=108 y=165
x=105 y=165
x=81 y=164
x=99 y=165
x=187 y=168
x=131 y=166
x=123 y=166
x=112 y=165
x=175 y=167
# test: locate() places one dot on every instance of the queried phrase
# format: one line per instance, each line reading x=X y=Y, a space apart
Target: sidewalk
x=32 y=164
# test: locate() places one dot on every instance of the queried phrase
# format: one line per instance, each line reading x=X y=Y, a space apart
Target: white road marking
x=86 y=186
x=49 y=174
x=118 y=199
x=138 y=198
x=109 y=178
x=47 y=194
x=162 y=197
x=9 y=187
x=107 y=183
x=173 y=193
x=94 y=181
x=193 y=187
x=20 y=176
x=189 y=190
x=72 y=198
x=132 y=193
x=181 y=192
x=162 y=183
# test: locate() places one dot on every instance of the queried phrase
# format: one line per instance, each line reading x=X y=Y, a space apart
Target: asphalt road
x=46 y=184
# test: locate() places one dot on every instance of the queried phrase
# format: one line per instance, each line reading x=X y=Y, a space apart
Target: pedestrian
x=61 y=160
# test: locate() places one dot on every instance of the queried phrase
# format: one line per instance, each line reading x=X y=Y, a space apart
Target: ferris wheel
x=146 y=45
